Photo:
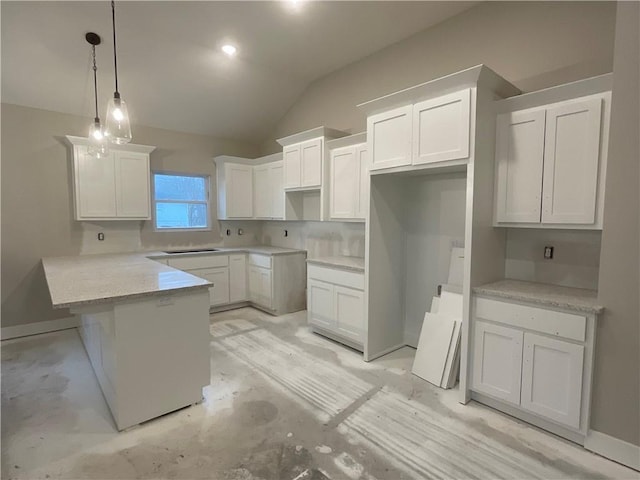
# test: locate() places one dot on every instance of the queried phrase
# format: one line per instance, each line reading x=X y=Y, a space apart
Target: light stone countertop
x=95 y=279
x=260 y=249
x=554 y=296
x=346 y=263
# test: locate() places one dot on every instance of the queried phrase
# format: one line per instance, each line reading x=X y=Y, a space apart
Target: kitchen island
x=145 y=327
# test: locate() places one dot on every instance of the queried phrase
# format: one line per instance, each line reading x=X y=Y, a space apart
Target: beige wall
x=532 y=44
x=37 y=214
x=616 y=397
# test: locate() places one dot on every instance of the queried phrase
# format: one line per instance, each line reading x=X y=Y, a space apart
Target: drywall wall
x=319 y=239
x=575 y=262
x=532 y=44
x=616 y=390
x=37 y=211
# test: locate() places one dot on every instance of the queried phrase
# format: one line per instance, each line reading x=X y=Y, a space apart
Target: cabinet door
x=362 y=195
x=292 y=166
x=349 y=312
x=389 y=138
x=237 y=278
x=262 y=192
x=276 y=184
x=95 y=186
x=311 y=160
x=219 y=293
x=344 y=182
x=239 y=179
x=441 y=128
x=497 y=361
x=260 y=286
x=132 y=185
x=519 y=160
x=571 y=154
x=552 y=378
x=320 y=304
x=254 y=284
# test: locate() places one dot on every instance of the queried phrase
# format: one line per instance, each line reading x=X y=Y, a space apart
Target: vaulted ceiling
x=171 y=70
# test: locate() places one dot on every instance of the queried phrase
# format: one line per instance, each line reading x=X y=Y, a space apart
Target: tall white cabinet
x=349 y=178
x=551 y=162
x=113 y=188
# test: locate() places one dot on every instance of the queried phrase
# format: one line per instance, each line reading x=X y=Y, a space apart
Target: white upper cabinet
x=349 y=189
x=519 y=154
x=311 y=161
x=268 y=191
x=235 y=189
x=433 y=130
x=571 y=152
x=389 y=138
x=111 y=188
x=292 y=166
x=550 y=164
x=441 y=128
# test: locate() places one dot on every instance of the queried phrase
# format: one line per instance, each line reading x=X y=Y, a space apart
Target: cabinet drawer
x=258 y=260
x=551 y=322
x=336 y=276
x=200 y=261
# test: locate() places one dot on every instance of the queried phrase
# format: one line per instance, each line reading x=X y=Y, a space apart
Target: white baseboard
x=38 y=327
x=613 y=448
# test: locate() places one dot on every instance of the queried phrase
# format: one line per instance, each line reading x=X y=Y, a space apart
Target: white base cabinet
x=335 y=304
x=536 y=362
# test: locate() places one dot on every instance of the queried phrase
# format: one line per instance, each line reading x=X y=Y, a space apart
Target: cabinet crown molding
x=311 y=134
x=347 y=141
x=129 y=147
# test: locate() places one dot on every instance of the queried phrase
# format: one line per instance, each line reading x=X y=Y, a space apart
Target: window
x=180 y=202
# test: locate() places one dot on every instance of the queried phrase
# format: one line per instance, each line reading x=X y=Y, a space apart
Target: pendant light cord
x=115 y=58
x=95 y=82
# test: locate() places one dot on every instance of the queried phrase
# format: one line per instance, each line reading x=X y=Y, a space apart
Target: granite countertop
x=346 y=263
x=577 y=299
x=95 y=279
x=260 y=249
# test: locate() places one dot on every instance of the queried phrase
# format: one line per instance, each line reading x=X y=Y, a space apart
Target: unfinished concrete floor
x=283 y=404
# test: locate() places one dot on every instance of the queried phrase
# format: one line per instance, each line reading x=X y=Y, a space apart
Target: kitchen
x=315 y=218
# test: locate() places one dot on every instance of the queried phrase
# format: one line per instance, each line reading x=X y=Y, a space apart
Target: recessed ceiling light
x=229 y=50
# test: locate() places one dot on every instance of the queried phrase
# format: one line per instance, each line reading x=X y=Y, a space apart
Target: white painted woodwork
x=132 y=185
x=219 y=292
x=571 y=153
x=349 y=312
x=344 y=180
x=362 y=195
x=441 y=128
x=552 y=379
x=497 y=361
x=150 y=355
x=239 y=190
x=291 y=156
x=311 y=159
x=262 y=192
x=194 y=262
x=389 y=137
x=260 y=260
x=320 y=304
x=238 y=278
x=552 y=322
x=519 y=161
x=336 y=276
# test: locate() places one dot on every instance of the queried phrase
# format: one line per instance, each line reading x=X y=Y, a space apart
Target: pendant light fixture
x=118 y=126
x=98 y=145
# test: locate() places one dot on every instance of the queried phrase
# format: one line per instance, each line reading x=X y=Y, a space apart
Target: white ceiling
x=171 y=71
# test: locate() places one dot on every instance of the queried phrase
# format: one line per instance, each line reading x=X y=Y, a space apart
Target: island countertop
x=577 y=299
x=94 y=279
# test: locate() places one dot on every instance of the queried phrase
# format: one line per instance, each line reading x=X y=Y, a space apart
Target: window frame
x=207 y=179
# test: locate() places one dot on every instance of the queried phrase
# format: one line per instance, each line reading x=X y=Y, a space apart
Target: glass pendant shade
x=117 y=125
x=98 y=144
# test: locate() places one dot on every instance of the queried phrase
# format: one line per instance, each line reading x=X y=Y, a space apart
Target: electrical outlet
x=228 y=232
x=101 y=236
x=240 y=231
x=548 y=252
x=286 y=233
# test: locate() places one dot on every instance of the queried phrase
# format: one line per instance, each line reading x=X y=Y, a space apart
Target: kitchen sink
x=197 y=250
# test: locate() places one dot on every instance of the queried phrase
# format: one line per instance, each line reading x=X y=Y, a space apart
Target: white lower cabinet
x=536 y=361
x=552 y=378
x=260 y=291
x=335 y=304
x=238 y=278
x=497 y=361
x=219 y=293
